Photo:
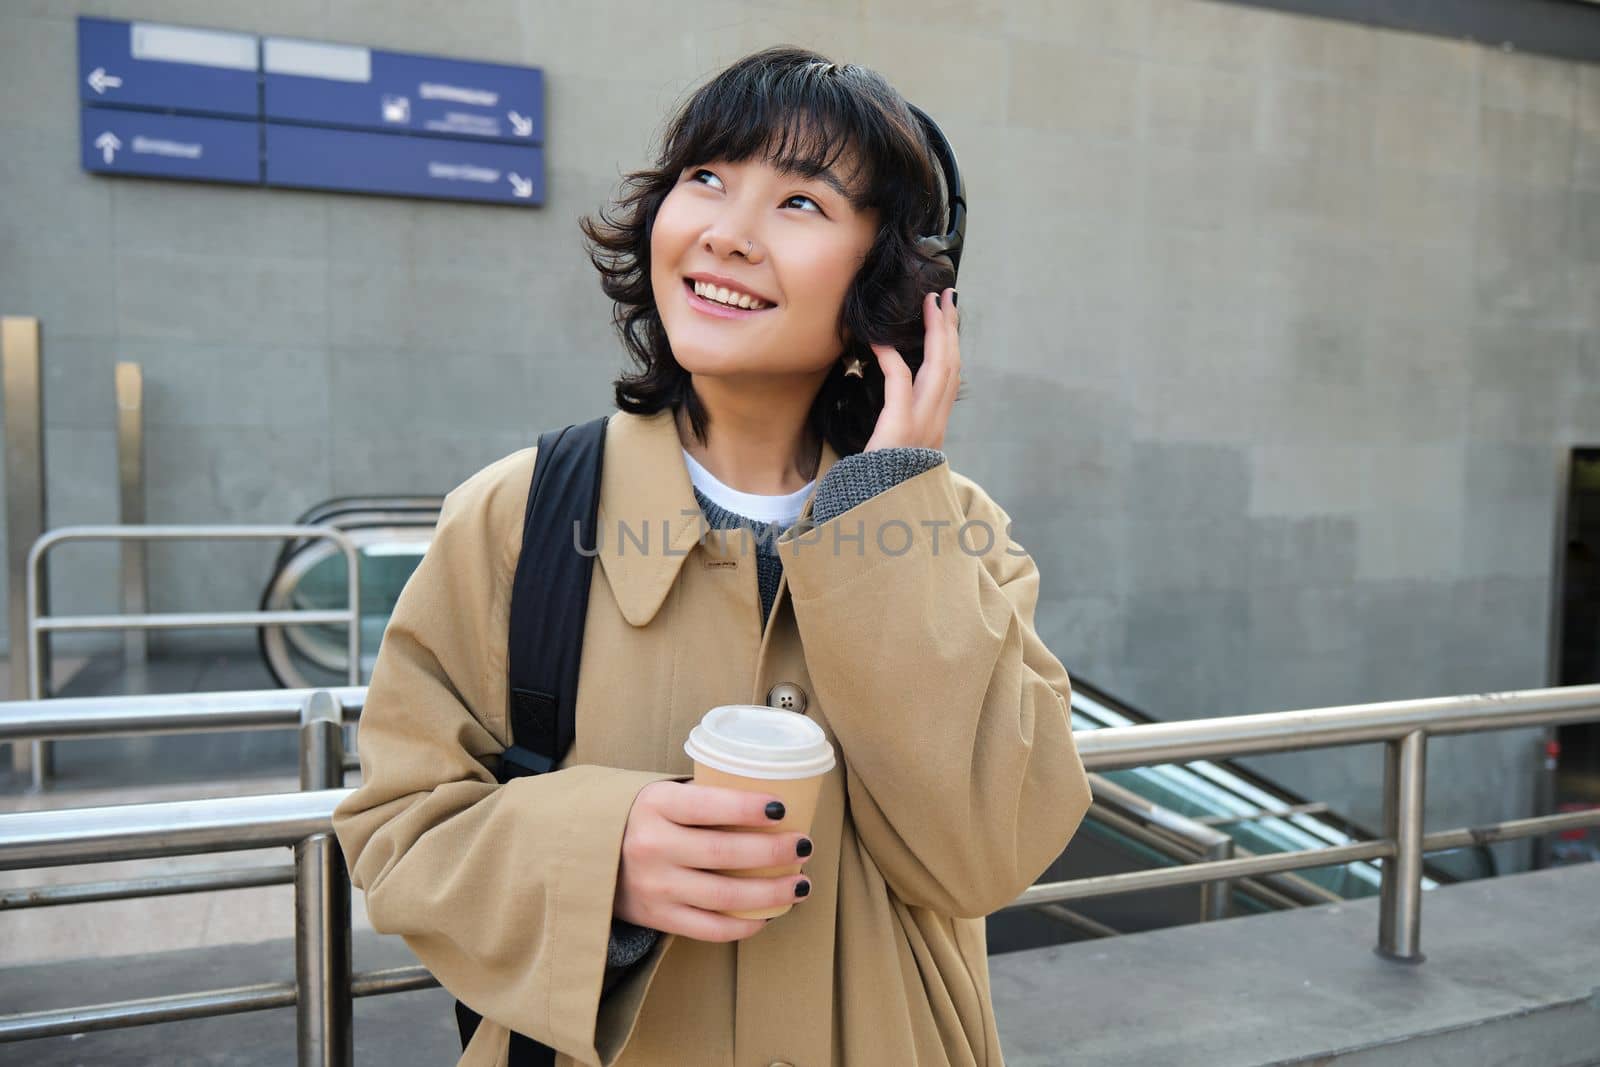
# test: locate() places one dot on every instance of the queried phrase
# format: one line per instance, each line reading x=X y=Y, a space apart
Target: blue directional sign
x=209 y=105
x=150 y=65
x=341 y=85
x=310 y=158
x=115 y=141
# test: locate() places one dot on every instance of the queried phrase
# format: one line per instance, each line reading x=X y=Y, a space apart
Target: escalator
x=390 y=534
x=1143 y=817
x=1260 y=816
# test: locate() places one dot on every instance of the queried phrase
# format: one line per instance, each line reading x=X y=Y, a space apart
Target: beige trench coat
x=958 y=780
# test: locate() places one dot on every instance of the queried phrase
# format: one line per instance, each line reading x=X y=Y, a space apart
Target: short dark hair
x=803 y=113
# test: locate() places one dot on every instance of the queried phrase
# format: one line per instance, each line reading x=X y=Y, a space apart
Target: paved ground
x=1511 y=979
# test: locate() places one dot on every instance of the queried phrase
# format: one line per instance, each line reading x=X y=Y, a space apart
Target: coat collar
x=645 y=485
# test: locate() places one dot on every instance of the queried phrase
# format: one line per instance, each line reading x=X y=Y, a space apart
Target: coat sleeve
x=954 y=721
x=504 y=892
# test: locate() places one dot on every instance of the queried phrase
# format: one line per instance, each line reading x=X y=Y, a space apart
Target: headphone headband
x=954 y=215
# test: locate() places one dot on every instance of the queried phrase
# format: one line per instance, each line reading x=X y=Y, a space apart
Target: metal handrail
x=1317 y=807
x=164 y=885
x=38 y=625
x=84 y=717
x=147 y=1011
x=325 y=985
x=324 y=982
x=167 y=713
x=1108 y=748
x=1159 y=827
x=1266 y=888
x=1116 y=747
x=63 y=837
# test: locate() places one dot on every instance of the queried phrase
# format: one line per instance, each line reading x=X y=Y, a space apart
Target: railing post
x=1216 y=898
x=1400 y=900
x=352 y=564
x=325 y=1036
x=20 y=372
x=129 y=382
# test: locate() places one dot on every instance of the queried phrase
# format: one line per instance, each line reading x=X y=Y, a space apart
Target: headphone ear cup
x=938 y=248
x=953 y=199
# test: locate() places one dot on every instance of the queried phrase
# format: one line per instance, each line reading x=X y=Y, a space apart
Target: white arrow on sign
x=521 y=187
x=521 y=125
x=108 y=144
x=100 y=81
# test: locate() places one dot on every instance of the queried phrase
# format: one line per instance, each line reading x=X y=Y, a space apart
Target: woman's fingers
x=941 y=362
x=721 y=892
x=917 y=409
x=931 y=375
x=897 y=384
x=704 y=925
x=708 y=805
x=952 y=319
x=724 y=850
x=667 y=877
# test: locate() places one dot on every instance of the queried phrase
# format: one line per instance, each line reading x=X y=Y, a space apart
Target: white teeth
x=728 y=296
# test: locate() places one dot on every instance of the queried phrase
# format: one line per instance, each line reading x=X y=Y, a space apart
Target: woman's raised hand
x=667 y=878
x=915 y=412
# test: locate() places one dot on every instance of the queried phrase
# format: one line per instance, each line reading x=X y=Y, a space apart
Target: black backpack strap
x=550 y=597
x=549 y=601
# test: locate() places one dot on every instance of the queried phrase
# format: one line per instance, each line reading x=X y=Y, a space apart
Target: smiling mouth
x=708 y=297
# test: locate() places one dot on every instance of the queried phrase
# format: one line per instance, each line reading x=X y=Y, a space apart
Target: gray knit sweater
x=852 y=480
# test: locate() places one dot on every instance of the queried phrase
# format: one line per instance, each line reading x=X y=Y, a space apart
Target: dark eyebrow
x=831 y=180
x=825 y=175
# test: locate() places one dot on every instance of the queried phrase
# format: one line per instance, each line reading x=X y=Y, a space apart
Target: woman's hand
x=666 y=880
x=915 y=412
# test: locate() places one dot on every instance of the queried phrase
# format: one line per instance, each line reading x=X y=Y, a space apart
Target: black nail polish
x=803 y=847
x=802 y=888
x=775 y=810
x=955 y=298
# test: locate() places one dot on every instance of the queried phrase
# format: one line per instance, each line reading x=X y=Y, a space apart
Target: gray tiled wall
x=1275 y=327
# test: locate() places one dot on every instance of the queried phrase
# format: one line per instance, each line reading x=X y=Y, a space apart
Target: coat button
x=780 y=1063
x=788 y=696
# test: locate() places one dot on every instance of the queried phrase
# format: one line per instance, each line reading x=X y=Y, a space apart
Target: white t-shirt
x=782 y=508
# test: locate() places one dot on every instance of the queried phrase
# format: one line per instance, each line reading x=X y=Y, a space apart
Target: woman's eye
x=716 y=183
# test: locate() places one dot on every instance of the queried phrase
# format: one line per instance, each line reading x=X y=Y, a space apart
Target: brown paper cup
x=799 y=796
x=763 y=750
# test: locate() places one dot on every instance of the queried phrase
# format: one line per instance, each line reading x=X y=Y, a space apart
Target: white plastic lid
x=760 y=742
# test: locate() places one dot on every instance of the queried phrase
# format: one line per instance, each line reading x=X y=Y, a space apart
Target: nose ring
x=749 y=247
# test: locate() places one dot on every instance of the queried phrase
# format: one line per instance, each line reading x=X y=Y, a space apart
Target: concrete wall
x=1275 y=327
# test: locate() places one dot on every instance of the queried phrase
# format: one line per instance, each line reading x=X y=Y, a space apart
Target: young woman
x=798 y=361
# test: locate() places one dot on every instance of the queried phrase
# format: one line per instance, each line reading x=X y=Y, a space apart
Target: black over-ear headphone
x=954 y=215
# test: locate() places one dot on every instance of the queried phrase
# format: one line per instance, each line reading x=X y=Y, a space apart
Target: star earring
x=852 y=367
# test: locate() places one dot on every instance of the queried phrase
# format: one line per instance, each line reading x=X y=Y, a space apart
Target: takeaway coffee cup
x=755 y=748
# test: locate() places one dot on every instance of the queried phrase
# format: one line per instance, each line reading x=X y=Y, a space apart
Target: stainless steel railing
x=1159 y=828
x=325 y=983
x=38 y=625
x=66 y=718
x=1403 y=726
x=76 y=718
